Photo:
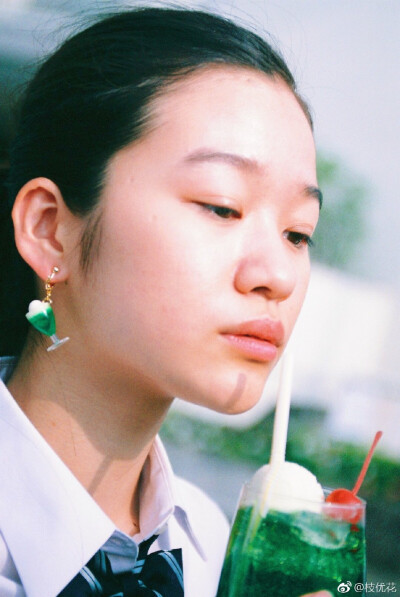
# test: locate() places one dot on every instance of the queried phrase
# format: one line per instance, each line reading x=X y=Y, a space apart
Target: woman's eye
x=299 y=239
x=226 y=213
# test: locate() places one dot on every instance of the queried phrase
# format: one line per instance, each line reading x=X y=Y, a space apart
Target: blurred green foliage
x=342 y=225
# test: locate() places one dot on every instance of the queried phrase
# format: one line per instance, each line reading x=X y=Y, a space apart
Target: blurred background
x=346 y=58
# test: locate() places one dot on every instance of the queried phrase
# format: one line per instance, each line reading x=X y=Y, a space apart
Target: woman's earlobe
x=38 y=215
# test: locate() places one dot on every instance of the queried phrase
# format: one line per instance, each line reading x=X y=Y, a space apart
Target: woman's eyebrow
x=242 y=162
x=209 y=155
x=312 y=191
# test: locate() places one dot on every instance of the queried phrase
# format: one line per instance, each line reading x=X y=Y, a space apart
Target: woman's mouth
x=253 y=348
x=258 y=340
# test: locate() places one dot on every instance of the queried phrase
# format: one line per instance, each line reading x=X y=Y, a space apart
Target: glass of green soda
x=295 y=547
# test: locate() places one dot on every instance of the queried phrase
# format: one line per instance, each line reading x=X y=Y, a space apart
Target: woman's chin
x=237 y=408
x=245 y=394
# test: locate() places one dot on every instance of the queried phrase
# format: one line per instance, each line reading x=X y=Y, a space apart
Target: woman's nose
x=267 y=267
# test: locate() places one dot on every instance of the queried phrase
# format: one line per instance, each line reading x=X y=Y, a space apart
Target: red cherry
x=344 y=497
x=339 y=498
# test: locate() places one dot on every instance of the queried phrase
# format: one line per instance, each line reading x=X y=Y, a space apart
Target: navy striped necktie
x=158 y=574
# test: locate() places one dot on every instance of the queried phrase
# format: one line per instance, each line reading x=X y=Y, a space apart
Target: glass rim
x=361 y=505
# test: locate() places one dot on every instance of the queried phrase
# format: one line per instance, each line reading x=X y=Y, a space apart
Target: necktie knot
x=158 y=574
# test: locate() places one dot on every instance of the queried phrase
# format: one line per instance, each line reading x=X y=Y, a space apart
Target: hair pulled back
x=91 y=98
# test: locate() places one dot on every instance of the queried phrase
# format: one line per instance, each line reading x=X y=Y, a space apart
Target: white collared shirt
x=50 y=526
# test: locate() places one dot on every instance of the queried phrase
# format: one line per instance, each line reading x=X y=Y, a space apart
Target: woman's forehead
x=229 y=110
x=232 y=86
x=207 y=80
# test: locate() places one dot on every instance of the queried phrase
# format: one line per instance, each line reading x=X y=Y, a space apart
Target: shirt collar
x=156 y=508
x=50 y=523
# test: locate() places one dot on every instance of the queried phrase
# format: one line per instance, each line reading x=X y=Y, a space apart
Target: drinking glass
x=296 y=548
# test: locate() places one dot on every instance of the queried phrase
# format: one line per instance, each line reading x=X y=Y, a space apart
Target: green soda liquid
x=292 y=554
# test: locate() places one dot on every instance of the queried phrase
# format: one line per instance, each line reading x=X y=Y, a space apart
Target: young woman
x=163 y=193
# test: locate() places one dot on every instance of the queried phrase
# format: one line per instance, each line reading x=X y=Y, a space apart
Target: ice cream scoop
x=283 y=485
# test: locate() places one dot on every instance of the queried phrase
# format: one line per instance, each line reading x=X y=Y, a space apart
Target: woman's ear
x=40 y=219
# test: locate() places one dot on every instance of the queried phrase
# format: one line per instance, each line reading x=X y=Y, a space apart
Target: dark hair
x=92 y=97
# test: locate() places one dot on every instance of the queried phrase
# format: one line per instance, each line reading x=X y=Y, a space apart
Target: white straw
x=281 y=420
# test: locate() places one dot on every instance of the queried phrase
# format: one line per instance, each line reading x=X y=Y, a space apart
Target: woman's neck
x=101 y=427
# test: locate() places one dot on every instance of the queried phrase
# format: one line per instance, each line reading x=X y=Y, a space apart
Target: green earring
x=41 y=315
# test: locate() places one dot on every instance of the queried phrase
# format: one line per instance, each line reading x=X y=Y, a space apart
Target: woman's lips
x=253 y=348
x=258 y=339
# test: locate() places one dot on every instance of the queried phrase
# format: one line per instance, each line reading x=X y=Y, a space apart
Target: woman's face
x=203 y=262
